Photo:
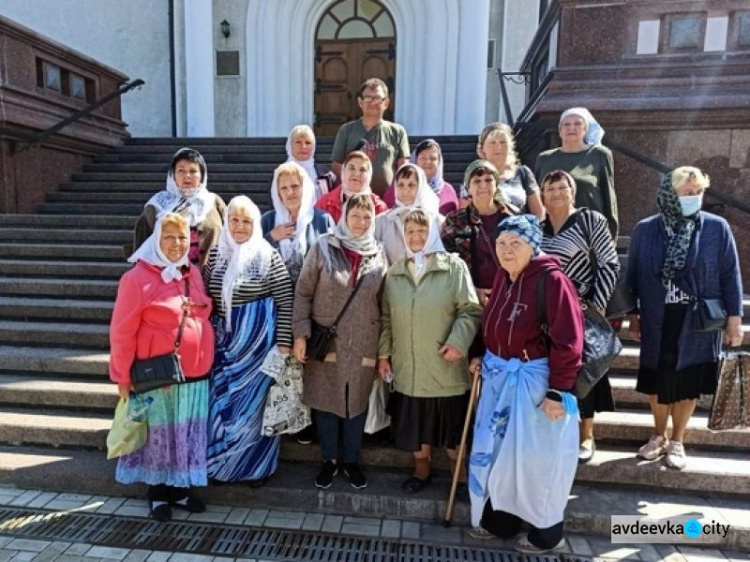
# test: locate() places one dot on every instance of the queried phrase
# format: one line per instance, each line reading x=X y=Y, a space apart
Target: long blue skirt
x=237 y=450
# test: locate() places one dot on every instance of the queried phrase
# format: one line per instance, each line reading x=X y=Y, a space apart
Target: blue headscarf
x=526 y=227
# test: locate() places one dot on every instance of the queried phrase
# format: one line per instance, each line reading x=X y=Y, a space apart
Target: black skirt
x=437 y=422
x=599 y=399
x=669 y=384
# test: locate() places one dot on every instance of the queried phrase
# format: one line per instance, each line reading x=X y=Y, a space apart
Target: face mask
x=690 y=204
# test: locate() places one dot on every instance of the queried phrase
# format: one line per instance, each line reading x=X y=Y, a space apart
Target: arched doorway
x=354 y=40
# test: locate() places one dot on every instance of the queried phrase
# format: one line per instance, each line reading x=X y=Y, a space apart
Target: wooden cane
x=475 y=383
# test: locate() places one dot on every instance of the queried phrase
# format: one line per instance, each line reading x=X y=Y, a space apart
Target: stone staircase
x=59 y=271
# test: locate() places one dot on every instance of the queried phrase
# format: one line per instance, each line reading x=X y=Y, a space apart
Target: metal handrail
x=31 y=139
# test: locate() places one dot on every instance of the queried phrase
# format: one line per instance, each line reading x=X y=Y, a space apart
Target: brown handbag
x=731 y=405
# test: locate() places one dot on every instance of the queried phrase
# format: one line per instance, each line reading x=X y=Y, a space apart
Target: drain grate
x=246 y=542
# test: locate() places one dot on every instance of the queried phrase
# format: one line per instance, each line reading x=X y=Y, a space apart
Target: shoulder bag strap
x=184 y=314
x=348 y=302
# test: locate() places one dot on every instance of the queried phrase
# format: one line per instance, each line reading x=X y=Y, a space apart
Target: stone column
x=199 y=68
x=473 y=34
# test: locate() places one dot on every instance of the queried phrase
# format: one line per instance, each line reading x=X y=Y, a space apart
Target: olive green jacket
x=417 y=319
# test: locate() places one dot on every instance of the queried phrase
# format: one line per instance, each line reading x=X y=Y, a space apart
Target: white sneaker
x=480 y=533
x=525 y=546
x=656 y=447
x=676 y=457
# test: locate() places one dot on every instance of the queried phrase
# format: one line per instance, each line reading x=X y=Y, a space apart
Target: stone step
x=54 y=334
x=132 y=210
x=212 y=158
x=35 y=308
x=95 y=188
x=256 y=143
x=241 y=167
x=57 y=392
x=92 y=222
x=96 y=289
x=74 y=429
x=52 y=361
x=78 y=252
x=262 y=199
x=22 y=235
x=636 y=427
x=248 y=177
x=63 y=269
x=291 y=491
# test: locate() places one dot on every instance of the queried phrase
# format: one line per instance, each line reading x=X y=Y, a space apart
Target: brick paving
x=32 y=550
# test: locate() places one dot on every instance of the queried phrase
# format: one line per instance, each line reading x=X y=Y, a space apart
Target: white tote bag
x=377 y=419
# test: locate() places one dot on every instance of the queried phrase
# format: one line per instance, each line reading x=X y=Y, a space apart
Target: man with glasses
x=386 y=143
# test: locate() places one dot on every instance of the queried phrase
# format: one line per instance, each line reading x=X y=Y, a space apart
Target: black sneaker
x=357 y=478
x=326 y=474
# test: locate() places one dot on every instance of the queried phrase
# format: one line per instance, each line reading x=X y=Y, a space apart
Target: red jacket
x=510 y=326
x=331 y=203
x=146 y=319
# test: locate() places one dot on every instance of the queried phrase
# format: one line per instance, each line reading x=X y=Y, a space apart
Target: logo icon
x=693 y=528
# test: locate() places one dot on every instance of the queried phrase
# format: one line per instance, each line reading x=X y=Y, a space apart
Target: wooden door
x=340 y=67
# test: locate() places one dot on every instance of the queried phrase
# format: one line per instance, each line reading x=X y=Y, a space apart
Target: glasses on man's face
x=373 y=99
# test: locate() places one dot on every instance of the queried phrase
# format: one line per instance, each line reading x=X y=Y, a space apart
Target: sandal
x=412 y=485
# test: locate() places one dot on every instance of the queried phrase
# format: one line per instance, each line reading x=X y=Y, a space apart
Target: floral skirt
x=175 y=452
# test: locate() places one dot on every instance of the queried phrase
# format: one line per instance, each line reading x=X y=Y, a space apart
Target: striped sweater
x=277 y=284
x=583 y=239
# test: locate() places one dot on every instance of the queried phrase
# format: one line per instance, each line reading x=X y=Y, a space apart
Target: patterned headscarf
x=679 y=228
x=594 y=131
x=526 y=227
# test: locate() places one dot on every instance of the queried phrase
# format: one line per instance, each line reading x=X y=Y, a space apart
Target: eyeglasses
x=372 y=99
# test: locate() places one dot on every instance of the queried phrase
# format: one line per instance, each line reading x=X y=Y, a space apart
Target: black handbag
x=623 y=298
x=321 y=337
x=709 y=315
x=161 y=370
x=600 y=343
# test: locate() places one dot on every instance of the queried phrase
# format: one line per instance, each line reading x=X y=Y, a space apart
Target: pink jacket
x=146 y=319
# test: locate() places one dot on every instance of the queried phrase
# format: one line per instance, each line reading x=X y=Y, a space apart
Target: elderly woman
x=470 y=232
x=584 y=158
x=523 y=457
x=294 y=224
x=338 y=389
x=159 y=302
x=428 y=156
x=412 y=192
x=580 y=238
x=677 y=258
x=428 y=298
x=186 y=194
x=300 y=149
x=252 y=296
x=498 y=146
x=356 y=175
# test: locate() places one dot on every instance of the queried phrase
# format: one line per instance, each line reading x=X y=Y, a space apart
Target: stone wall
x=32 y=100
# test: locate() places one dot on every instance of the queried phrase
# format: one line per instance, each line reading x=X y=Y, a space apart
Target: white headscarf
x=197 y=202
x=437 y=181
x=425 y=197
x=150 y=252
x=594 y=131
x=249 y=261
x=309 y=164
x=298 y=244
x=432 y=245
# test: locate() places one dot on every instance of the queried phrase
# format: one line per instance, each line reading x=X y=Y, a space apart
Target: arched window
x=356 y=19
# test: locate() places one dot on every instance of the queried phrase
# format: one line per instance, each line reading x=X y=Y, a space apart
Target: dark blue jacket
x=322 y=223
x=712 y=271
